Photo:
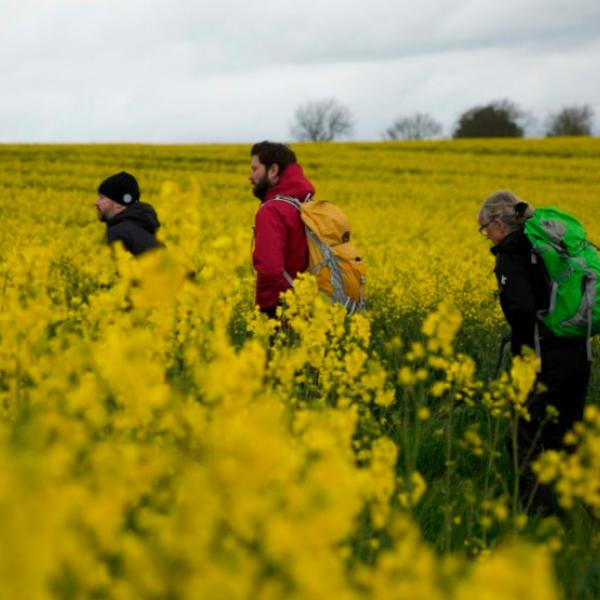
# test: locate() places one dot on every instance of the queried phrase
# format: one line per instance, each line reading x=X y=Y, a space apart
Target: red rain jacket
x=279 y=238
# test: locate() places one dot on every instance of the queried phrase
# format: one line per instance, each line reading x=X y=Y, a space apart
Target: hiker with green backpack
x=547 y=273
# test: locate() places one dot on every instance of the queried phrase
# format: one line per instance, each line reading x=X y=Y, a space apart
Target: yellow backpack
x=333 y=259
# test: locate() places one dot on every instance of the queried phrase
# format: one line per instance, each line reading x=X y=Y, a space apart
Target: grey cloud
x=158 y=71
x=234 y=35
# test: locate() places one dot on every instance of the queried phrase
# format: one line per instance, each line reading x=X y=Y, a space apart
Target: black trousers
x=565 y=375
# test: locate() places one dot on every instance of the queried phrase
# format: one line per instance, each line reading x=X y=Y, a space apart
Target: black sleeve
x=517 y=299
x=135 y=239
x=118 y=232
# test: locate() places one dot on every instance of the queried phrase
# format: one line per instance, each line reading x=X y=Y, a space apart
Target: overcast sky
x=235 y=70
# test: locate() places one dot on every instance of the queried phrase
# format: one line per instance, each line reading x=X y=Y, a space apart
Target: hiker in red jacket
x=280 y=249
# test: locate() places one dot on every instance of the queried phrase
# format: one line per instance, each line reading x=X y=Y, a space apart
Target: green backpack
x=573 y=266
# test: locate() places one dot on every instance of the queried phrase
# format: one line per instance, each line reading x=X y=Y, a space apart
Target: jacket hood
x=514 y=243
x=291 y=183
x=141 y=213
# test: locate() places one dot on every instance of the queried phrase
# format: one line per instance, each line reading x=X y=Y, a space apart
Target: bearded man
x=280 y=248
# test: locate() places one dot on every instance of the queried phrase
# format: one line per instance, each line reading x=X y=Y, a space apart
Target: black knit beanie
x=122 y=188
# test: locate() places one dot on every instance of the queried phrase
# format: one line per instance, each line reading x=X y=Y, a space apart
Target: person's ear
x=273 y=171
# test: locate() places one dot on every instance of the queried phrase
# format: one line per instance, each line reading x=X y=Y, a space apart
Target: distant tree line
x=327 y=120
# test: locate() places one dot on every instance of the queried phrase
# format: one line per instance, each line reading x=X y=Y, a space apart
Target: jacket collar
x=515 y=242
x=292 y=183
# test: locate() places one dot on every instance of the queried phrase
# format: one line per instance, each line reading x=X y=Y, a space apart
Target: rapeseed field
x=160 y=439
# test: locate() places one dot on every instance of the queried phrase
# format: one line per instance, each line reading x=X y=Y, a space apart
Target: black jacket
x=136 y=227
x=523 y=289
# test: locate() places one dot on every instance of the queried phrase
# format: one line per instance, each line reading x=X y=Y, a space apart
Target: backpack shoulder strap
x=296 y=204
x=290 y=200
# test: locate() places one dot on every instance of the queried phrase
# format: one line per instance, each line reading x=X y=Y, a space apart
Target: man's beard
x=261 y=188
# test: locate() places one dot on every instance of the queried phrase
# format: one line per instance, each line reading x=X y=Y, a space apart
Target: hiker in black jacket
x=524 y=290
x=127 y=219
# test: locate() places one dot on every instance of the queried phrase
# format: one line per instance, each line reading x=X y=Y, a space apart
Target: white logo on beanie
x=127 y=198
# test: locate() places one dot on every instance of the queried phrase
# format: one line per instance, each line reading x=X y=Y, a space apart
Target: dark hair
x=272 y=153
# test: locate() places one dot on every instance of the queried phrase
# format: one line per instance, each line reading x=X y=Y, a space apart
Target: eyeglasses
x=483 y=229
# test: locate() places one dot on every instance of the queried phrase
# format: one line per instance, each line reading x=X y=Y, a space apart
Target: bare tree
x=502 y=118
x=322 y=121
x=419 y=126
x=571 y=120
